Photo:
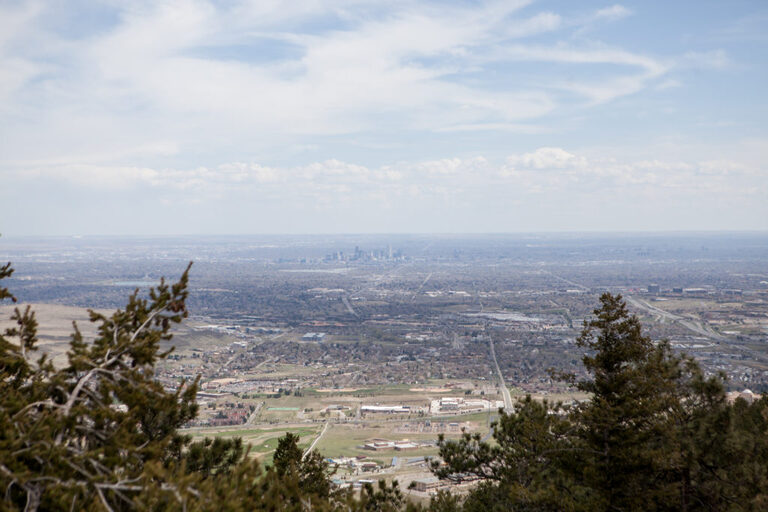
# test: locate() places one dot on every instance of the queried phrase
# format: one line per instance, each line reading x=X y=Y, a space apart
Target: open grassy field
x=263 y=441
x=250 y=432
x=277 y=409
x=476 y=417
x=346 y=439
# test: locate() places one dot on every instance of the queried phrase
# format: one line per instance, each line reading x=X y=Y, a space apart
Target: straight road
x=349 y=307
x=504 y=391
x=253 y=415
x=568 y=281
x=312 y=446
x=420 y=287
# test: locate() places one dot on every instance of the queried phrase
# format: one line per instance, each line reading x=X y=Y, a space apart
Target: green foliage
x=521 y=469
x=622 y=432
x=101 y=433
x=656 y=434
x=311 y=470
x=85 y=432
x=444 y=501
x=209 y=457
x=384 y=498
x=287 y=455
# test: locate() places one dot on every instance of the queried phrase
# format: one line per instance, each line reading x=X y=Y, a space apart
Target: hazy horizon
x=565 y=234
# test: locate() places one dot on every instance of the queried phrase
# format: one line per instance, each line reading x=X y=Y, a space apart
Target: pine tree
x=522 y=469
x=655 y=434
x=287 y=455
x=622 y=430
x=84 y=433
x=311 y=469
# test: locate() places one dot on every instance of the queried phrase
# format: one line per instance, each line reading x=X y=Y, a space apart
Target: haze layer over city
x=405 y=220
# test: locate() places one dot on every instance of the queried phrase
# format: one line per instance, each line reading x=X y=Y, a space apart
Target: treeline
x=100 y=433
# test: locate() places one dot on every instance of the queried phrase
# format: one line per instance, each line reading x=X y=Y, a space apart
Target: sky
x=309 y=116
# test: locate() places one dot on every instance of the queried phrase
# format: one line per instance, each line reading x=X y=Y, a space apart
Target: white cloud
x=725 y=167
x=715 y=59
x=614 y=12
x=542 y=22
x=496 y=127
x=548 y=158
x=574 y=55
x=392 y=66
x=16 y=70
x=610 y=87
x=351 y=102
x=448 y=166
x=546 y=169
x=669 y=84
x=338 y=76
x=96 y=176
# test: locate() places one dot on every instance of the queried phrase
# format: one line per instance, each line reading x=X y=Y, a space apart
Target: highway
x=504 y=391
x=349 y=307
x=420 y=287
x=695 y=326
x=568 y=281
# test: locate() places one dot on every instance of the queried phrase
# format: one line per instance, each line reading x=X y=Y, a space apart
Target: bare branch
x=103 y=499
x=85 y=378
x=47 y=402
x=149 y=319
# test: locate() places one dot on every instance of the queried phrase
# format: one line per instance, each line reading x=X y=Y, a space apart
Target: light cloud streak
x=346 y=103
x=550 y=166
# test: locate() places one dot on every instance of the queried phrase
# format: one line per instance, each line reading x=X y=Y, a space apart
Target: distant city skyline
x=201 y=117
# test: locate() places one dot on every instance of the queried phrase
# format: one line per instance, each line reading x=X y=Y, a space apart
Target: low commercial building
x=426 y=484
x=388 y=409
x=379 y=444
x=455 y=405
x=449 y=404
x=368 y=466
x=386 y=444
